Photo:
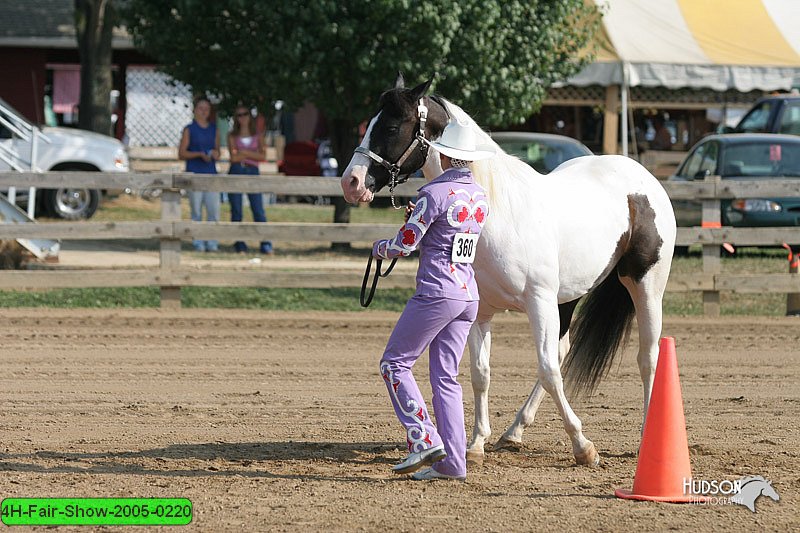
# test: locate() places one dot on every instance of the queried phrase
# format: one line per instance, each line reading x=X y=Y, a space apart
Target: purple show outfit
x=439 y=314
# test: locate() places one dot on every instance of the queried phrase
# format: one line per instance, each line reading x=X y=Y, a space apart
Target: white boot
x=429 y=474
x=417 y=460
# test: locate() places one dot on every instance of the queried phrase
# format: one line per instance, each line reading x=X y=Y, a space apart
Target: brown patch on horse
x=643 y=241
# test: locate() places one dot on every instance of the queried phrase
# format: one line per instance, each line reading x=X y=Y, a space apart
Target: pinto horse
x=597 y=228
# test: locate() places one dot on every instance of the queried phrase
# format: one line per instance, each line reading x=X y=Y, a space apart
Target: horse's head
x=388 y=149
x=769 y=491
x=750 y=488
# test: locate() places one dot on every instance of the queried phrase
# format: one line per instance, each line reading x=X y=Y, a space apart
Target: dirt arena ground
x=279 y=421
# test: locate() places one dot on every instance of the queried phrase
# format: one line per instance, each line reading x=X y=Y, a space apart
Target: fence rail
x=711 y=189
x=171 y=231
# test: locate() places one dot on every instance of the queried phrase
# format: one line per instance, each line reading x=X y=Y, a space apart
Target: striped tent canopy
x=715 y=44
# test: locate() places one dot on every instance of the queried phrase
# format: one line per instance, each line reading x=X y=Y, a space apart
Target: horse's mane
x=497 y=173
x=397 y=100
x=749 y=479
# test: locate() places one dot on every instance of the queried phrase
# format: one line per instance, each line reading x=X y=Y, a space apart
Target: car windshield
x=755 y=121
x=761 y=159
x=542 y=156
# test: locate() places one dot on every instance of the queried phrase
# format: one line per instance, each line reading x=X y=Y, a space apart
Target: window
x=708 y=165
x=756 y=120
x=790 y=120
x=702 y=162
x=542 y=156
x=762 y=159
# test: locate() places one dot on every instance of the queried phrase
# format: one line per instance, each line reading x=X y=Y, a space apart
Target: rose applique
x=409 y=237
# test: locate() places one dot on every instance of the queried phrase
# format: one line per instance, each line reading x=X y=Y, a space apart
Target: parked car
x=772 y=114
x=751 y=156
x=542 y=151
x=57 y=149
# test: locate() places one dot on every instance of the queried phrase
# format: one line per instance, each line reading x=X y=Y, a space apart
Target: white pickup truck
x=25 y=147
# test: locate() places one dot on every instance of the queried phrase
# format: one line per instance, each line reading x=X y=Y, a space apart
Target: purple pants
x=443 y=325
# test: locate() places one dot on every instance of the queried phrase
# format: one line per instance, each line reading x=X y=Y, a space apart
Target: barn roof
x=44 y=24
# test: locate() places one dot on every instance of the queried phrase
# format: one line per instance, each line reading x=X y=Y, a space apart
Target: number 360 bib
x=464 y=247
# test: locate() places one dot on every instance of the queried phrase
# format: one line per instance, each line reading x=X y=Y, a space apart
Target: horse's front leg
x=480 y=343
x=512 y=438
x=544 y=320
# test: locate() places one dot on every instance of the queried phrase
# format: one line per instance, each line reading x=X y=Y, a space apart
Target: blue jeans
x=197 y=199
x=256 y=200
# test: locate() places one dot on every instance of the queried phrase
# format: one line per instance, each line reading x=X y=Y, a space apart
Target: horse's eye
x=392 y=129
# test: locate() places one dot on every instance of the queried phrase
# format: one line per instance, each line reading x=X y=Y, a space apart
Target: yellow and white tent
x=716 y=44
x=719 y=45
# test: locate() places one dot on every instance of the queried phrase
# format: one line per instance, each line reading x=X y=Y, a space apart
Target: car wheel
x=72 y=204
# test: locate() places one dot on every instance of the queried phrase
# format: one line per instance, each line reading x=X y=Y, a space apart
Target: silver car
x=543 y=151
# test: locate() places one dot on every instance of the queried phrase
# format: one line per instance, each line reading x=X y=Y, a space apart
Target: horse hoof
x=506 y=444
x=474 y=458
x=588 y=456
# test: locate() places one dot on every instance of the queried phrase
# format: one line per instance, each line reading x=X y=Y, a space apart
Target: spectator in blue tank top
x=200 y=149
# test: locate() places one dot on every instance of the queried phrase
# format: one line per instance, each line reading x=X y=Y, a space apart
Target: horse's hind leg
x=647 y=295
x=512 y=438
x=480 y=344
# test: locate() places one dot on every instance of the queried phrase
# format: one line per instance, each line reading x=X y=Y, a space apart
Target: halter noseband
x=394 y=168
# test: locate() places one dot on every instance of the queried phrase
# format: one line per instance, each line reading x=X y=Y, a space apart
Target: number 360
x=465 y=247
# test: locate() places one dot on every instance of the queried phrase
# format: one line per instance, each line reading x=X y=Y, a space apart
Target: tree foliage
x=494 y=57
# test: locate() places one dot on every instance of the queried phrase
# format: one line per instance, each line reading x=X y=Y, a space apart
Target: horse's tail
x=602 y=325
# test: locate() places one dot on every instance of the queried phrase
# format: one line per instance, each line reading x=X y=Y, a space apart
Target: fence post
x=712 y=218
x=170 y=252
x=793 y=298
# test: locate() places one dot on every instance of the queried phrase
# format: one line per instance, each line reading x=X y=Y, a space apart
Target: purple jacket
x=449 y=214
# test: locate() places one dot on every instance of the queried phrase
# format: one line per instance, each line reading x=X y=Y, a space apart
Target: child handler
x=445 y=224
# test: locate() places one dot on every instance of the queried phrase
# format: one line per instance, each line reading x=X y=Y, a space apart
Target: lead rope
x=365 y=302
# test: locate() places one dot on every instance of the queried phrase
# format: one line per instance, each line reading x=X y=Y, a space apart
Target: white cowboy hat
x=460 y=141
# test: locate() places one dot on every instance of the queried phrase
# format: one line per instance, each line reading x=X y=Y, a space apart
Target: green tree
x=94 y=23
x=493 y=57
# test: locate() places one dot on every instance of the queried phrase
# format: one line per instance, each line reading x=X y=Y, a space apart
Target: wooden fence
x=170 y=230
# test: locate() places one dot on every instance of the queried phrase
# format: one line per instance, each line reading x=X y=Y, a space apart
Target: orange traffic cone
x=663 y=472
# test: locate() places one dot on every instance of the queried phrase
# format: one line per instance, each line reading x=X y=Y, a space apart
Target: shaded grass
x=746 y=261
x=126 y=208
x=338 y=299
x=346 y=299
x=691 y=304
x=117 y=297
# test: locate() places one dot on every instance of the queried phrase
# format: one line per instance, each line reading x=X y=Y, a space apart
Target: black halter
x=393 y=169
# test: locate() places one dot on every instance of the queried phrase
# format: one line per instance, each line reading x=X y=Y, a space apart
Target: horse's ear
x=420 y=90
x=399 y=83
